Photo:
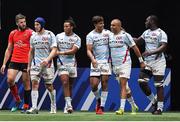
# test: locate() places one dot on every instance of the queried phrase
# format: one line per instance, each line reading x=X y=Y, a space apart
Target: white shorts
x=157 y=67
x=123 y=70
x=70 y=70
x=102 y=69
x=47 y=73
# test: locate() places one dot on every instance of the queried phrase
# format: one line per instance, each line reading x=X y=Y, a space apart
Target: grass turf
x=6 y=115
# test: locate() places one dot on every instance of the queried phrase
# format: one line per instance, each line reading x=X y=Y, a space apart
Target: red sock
x=14 y=91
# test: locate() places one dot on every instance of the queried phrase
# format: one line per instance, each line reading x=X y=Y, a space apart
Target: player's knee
x=27 y=87
x=104 y=86
x=64 y=78
x=49 y=87
x=143 y=80
x=35 y=84
x=10 y=80
x=144 y=76
x=128 y=90
x=158 y=81
x=65 y=82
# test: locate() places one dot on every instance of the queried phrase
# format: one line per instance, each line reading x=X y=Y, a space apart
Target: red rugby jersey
x=21 y=45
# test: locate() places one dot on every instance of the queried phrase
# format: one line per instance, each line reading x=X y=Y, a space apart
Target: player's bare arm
x=138 y=54
x=159 y=50
x=30 y=57
x=50 y=57
x=138 y=40
x=7 y=56
x=90 y=55
x=68 y=52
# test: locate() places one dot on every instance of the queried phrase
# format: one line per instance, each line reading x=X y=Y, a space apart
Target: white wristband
x=141 y=59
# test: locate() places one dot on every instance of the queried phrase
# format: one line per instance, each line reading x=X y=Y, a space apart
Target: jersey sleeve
x=89 y=39
x=11 y=35
x=78 y=42
x=143 y=35
x=163 y=37
x=129 y=40
x=53 y=40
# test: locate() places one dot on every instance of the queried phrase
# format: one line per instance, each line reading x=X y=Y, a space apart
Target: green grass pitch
x=6 y=115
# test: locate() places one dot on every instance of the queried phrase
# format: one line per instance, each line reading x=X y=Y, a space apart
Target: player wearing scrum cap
x=43 y=48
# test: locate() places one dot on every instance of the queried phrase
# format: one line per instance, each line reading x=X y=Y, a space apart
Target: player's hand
x=158 y=55
x=146 y=53
x=44 y=62
x=28 y=69
x=94 y=63
x=142 y=65
x=3 y=68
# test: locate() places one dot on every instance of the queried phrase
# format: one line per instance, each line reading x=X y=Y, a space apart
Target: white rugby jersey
x=153 y=38
x=64 y=43
x=100 y=45
x=42 y=44
x=119 y=45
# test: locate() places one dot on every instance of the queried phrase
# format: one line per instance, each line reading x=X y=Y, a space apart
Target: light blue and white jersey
x=65 y=43
x=152 y=42
x=100 y=45
x=42 y=45
x=119 y=45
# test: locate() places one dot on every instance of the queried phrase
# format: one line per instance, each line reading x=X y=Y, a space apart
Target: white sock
x=68 y=101
x=96 y=94
x=34 y=97
x=160 y=106
x=123 y=102
x=151 y=97
x=52 y=96
x=131 y=101
x=65 y=104
x=104 y=95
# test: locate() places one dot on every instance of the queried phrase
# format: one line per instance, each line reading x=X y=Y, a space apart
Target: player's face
x=114 y=27
x=68 y=28
x=100 y=26
x=21 y=24
x=148 y=22
x=37 y=27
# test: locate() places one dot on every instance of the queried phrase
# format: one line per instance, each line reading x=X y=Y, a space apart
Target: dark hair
x=71 y=21
x=19 y=16
x=97 y=19
x=154 y=18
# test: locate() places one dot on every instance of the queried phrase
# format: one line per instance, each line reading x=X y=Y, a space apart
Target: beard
x=22 y=27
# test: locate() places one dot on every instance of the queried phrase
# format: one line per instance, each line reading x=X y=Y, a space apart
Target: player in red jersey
x=18 y=47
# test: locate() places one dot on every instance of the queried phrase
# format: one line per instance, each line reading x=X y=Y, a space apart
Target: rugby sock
x=68 y=101
x=104 y=95
x=14 y=91
x=34 y=97
x=27 y=96
x=160 y=106
x=96 y=94
x=131 y=101
x=123 y=102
